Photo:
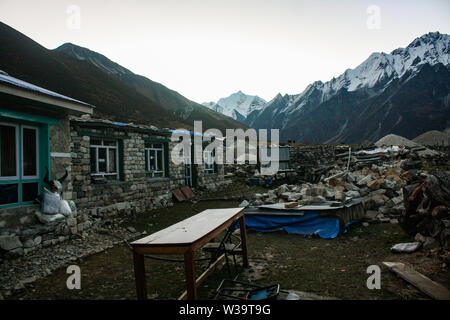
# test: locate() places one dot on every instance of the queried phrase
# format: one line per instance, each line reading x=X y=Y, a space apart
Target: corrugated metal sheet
x=31 y=87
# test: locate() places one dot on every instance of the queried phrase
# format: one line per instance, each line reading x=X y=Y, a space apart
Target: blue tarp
x=308 y=224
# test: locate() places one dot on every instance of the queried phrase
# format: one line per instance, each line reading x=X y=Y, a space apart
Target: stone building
x=118 y=166
x=112 y=167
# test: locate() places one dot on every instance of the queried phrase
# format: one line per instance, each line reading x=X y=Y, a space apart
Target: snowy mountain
x=238 y=105
x=373 y=79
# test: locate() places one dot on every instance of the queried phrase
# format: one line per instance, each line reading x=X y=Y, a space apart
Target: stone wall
x=60 y=155
x=135 y=191
x=210 y=181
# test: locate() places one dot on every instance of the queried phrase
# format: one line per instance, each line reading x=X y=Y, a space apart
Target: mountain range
x=405 y=92
x=237 y=105
x=116 y=92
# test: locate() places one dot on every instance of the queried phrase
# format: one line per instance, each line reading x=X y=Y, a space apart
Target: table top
x=191 y=229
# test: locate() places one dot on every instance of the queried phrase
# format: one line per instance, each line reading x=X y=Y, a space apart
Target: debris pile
x=427 y=207
x=380 y=186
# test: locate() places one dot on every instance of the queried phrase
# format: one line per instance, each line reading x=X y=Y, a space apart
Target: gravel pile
x=433 y=138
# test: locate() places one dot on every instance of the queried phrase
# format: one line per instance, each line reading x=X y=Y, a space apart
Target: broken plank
x=291 y=204
x=421 y=282
x=178 y=195
x=187 y=192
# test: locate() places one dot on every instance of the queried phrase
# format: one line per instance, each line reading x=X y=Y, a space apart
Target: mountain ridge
x=367 y=81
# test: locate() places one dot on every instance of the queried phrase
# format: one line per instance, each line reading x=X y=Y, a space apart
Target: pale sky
x=208 y=49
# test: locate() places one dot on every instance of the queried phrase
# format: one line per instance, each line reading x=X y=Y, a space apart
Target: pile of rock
x=427 y=208
x=380 y=186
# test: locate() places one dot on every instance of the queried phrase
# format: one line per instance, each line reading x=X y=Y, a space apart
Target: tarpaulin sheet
x=308 y=224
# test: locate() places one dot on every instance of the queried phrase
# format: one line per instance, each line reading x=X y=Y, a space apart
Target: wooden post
x=139 y=274
x=244 y=240
x=189 y=269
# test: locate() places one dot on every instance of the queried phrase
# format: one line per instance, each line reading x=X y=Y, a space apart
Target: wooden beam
x=424 y=284
x=203 y=276
x=139 y=272
x=189 y=269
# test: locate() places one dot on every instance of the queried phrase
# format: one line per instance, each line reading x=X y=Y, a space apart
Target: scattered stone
x=406 y=247
x=10 y=243
x=131 y=229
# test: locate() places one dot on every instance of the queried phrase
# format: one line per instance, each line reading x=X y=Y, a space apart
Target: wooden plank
x=421 y=282
x=178 y=195
x=203 y=276
x=187 y=192
x=192 y=229
x=243 y=240
x=291 y=204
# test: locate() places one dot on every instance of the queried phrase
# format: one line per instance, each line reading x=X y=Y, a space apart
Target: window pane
x=29 y=191
x=8 y=151
x=112 y=160
x=93 y=160
x=159 y=159
x=157 y=145
x=29 y=152
x=152 y=160
x=101 y=160
x=9 y=193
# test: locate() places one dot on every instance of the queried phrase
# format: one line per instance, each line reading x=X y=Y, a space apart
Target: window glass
x=159 y=159
x=9 y=193
x=29 y=148
x=29 y=191
x=152 y=159
x=8 y=151
x=101 y=160
x=112 y=160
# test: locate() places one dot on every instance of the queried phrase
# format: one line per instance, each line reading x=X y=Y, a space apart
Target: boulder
x=9 y=243
x=353 y=194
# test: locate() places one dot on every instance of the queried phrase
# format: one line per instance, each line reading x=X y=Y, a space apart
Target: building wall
x=135 y=191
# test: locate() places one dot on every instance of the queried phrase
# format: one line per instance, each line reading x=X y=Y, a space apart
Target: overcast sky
x=208 y=49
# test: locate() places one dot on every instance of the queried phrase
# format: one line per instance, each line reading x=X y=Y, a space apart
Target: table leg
x=139 y=274
x=244 y=240
x=189 y=269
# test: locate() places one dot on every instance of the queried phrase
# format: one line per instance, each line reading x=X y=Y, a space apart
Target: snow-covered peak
x=380 y=68
x=237 y=105
x=431 y=48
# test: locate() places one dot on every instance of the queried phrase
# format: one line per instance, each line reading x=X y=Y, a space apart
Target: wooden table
x=185 y=237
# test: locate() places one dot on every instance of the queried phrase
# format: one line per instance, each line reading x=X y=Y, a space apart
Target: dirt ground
x=327 y=267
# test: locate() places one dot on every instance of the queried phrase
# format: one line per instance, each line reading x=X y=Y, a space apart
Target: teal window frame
x=42 y=156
